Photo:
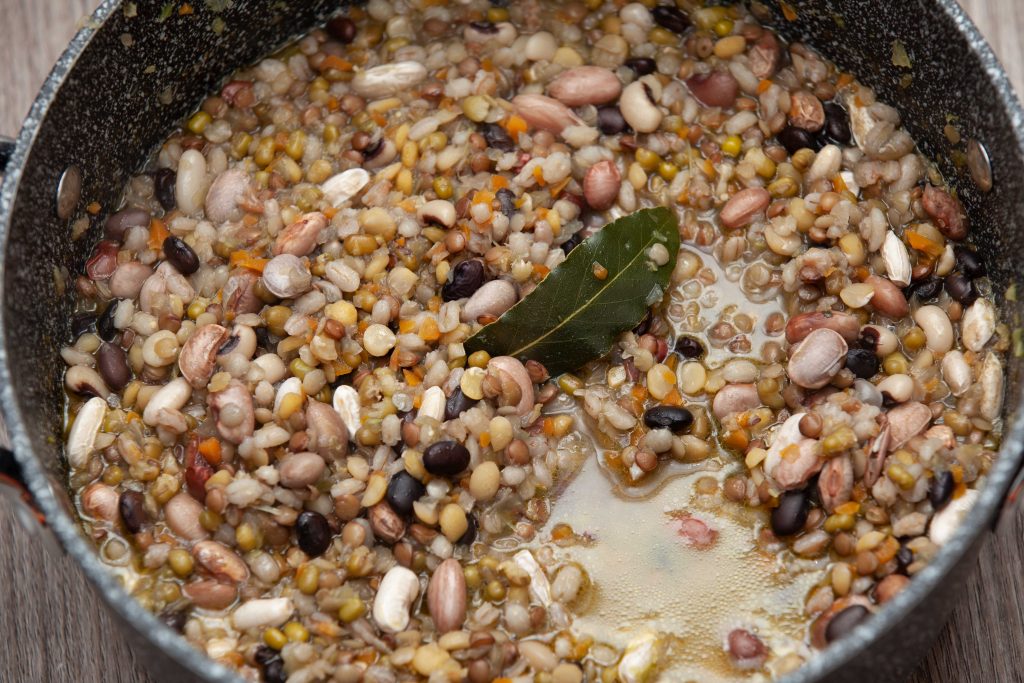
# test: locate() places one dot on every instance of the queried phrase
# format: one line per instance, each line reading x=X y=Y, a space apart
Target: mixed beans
x=278 y=441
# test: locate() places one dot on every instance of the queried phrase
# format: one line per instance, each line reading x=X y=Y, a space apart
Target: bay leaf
x=573 y=316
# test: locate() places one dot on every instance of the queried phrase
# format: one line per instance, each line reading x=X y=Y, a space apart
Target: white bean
x=937 y=329
x=397 y=592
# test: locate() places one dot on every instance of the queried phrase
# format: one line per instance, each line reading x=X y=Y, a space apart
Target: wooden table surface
x=55 y=630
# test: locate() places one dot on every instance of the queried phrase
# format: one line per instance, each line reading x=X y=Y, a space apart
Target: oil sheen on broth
x=648 y=578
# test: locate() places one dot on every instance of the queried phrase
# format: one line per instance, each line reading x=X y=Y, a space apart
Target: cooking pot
x=134 y=70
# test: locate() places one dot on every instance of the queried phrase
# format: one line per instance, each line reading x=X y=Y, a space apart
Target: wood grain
x=55 y=629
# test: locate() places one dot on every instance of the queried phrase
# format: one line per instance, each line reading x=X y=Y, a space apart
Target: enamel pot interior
x=132 y=73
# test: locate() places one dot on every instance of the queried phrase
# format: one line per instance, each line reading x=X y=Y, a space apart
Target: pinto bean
x=946 y=211
x=300 y=238
x=198 y=356
x=743 y=206
x=801 y=325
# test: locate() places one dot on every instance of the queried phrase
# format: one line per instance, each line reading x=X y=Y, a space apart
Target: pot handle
x=6 y=151
x=13 y=486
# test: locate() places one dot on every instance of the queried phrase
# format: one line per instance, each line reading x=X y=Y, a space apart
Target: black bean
x=644 y=326
x=445 y=458
x=118 y=224
x=180 y=255
x=610 y=120
x=457 y=404
x=314 y=533
x=484 y=27
x=112 y=364
x=164 y=180
x=904 y=558
x=642 y=65
x=507 y=202
x=845 y=621
x=791 y=514
x=674 y=418
x=342 y=29
x=573 y=242
x=465 y=278
x=263 y=338
x=961 y=289
x=926 y=289
x=82 y=323
x=968 y=262
x=941 y=489
x=862 y=362
x=271 y=663
x=373 y=149
x=837 y=123
x=671 y=18
x=689 y=347
x=497 y=137
x=131 y=505
x=404 y=490
x=176 y=619
x=105 y=323
x=793 y=139
x=470 y=535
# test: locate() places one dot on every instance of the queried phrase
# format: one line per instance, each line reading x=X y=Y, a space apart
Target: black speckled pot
x=109 y=101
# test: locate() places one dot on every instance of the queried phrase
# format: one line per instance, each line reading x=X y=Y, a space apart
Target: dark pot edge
x=148 y=626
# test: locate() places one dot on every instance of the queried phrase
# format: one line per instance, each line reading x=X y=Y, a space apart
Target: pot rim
x=148 y=626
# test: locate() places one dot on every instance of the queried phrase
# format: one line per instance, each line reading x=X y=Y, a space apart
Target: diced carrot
x=483 y=197
x=330 y=212
x=838 y=184
x=406 y=326
x=157 y=233
x=788 y=11
x=549 y=426
x=486 y=64
x=185 y=9
x=540 y=270
x=210 y=449
x=639 y=393
x=411 y=378
x=333 y=104
x=844 y=80
x=538 y=175
x=429 y=330
x=93 y=208
x=674 y=398
x=243 y=259
x=558 y=187
x=335 y=62
x=498 y=182
x=922 y=243
x=763 y=85
x=485 y=439
x=515 y=125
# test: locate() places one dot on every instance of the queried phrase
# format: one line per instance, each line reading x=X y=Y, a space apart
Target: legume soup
x=280 y=443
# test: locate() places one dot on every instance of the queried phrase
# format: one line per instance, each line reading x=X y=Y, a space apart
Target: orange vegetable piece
x=922 y=243
x=157 y=234
x=515 y=125
x=210 y=449
x=335 y=62
x=429 y=330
